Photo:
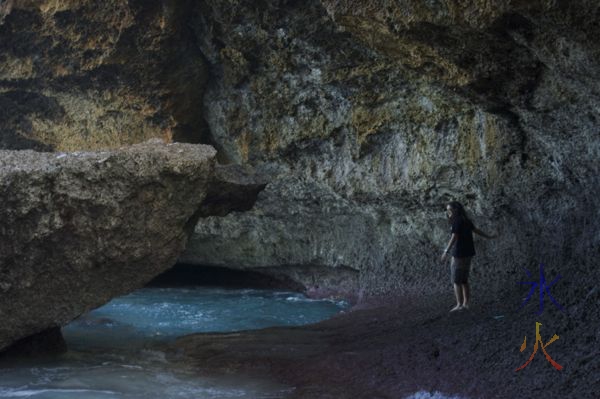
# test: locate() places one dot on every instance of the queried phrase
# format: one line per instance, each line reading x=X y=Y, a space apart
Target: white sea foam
x=340 y=303
x=28 y=393
x=431 y=395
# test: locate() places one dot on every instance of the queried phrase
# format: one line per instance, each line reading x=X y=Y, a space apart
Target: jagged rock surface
x=81 y=228
x=370 y=116
x=234 y=188
x=364 y=116
x=89 y=75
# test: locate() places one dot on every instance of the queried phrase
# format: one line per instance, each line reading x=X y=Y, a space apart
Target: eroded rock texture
x=364 y=117
x=369 y=116
x=86 y=74
x=80 y=228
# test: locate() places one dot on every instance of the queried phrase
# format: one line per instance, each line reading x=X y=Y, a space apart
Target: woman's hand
x=453 y=239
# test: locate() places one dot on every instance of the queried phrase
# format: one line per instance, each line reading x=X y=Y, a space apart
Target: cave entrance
x=185 y=275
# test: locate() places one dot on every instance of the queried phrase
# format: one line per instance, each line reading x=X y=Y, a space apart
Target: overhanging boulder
x=80 y=228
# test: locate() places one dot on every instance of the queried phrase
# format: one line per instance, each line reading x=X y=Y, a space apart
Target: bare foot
x=465 y=306
x=454 y=309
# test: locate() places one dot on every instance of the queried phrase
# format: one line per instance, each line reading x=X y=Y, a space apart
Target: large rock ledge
x=80 y=228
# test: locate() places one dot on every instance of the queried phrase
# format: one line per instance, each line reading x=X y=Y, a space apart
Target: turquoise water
x=112 y=350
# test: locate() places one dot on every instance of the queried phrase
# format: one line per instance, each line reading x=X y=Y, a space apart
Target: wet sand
x=396 y=347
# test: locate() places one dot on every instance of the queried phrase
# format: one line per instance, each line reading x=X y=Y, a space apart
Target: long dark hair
x=459 y=213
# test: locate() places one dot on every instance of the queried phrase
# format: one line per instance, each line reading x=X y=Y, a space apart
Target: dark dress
x=463 y=248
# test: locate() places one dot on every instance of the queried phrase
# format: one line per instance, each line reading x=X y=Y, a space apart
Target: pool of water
x=113 y=349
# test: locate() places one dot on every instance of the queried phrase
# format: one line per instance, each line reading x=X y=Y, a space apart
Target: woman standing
x=462 y=252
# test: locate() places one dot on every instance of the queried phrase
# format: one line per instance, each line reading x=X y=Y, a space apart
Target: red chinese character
x=538 y=339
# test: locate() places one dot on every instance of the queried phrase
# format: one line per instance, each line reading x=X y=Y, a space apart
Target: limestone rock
x=365 y=117
x=370 y=116
x=234 y=188
x=80 y=228
x=300 y=231
x=82 y=75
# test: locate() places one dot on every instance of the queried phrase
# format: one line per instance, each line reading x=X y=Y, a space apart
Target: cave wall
x=86 y=75
x=364 y=118
x=370 y=116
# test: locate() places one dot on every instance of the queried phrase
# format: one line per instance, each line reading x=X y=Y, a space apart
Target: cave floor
x=395 y=348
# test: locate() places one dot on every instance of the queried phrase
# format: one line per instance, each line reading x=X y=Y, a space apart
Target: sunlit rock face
x=81 y=228
x=86 y=74
x=370 y=116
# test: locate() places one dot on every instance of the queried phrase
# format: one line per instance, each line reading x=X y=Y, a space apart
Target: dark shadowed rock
x=373 y=114
x=234 y=188
x=80 y=228
x=47 y=342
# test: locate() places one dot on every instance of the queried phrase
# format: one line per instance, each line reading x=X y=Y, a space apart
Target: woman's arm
x=481 y=233
x=450 y=243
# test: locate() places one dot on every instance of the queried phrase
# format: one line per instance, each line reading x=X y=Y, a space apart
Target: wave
x=28 y=393
x=340 y=303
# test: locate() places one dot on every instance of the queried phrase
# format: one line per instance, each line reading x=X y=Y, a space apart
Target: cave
x=310 y=147
x=182 y=275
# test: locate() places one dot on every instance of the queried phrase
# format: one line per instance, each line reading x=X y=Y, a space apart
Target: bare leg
x=459 y=299
x=465 y=295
